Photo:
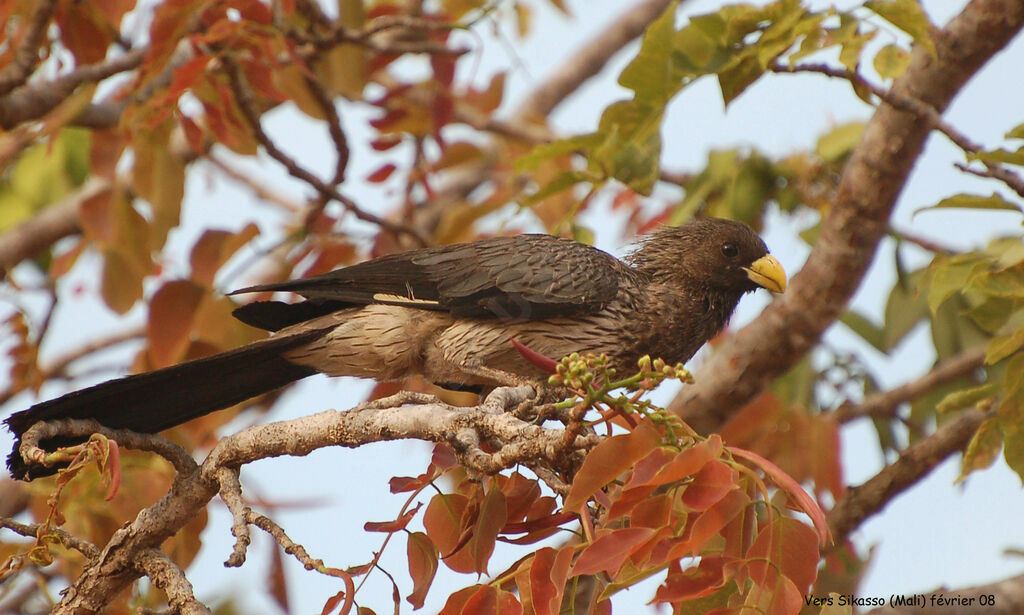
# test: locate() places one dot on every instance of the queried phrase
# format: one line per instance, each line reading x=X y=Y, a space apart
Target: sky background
x=935 y=534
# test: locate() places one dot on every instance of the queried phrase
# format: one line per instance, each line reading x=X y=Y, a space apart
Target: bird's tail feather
x=161 y=399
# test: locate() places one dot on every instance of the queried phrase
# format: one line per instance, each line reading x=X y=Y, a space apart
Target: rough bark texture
x=871 y=183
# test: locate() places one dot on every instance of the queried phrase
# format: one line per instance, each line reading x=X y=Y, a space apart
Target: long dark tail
x=161 y=399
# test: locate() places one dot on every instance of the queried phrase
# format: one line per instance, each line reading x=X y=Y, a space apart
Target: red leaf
x=709 y=485
x=385 y=142
x=792 y=488
x=652 y=512
x=508 y=604
x=608 y=460
x=402 y=484
x=443 y=457
x=608 y=552
x=422 y=556
x=520 y=494
x=381 y=174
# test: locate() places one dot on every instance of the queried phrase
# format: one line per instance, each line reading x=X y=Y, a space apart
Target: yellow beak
x=767 y=272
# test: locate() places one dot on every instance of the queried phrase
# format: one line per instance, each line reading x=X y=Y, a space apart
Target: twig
x=35 y=100
x=590 y=60
x=885 y=404
x=247 y=104
x=31 y=530
x=175 y=454
x=917 y=107
x=923 y=242
x=915 y=462
x=169 y=577
x=231 y=493
x=261 y=191
x=26 y=56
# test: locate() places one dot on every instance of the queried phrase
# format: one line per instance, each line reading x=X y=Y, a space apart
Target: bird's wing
x=519 y=277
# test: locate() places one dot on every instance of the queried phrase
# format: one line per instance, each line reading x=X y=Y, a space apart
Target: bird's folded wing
x=520 y=277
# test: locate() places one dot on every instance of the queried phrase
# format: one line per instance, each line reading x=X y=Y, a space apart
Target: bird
x=458 y=315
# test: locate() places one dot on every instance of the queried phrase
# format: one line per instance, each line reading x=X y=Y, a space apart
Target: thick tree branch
x=884 y=404
x=402 y=416
x=915 y=462
x=871 y=182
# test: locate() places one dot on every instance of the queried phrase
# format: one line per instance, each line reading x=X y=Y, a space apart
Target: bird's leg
x=500 y=377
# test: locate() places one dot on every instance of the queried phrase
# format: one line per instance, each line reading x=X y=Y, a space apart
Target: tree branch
x=884 y=404
x=915 y=462
x=870 y=184
x=589 y=60
x=402 y=416
x=26 y=56
x=51 y=224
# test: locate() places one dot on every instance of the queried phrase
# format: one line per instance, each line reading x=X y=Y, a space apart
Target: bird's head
x=715 y=253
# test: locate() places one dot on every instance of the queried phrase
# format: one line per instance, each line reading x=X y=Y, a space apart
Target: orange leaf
x=422 y=556
x=709 y=485
x=214 y=248
x=392 y=526
x=787 y=546
x=171 y=313
x=710 y=523
x=443 y=521
x=792 y=488
x=688 y=462
x=608 y=460
x=608 y=552
x=547 y=576
x=488 y=523
x=696 y=582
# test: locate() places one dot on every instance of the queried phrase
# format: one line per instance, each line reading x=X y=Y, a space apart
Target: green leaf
x=863 y=327
x=949 y=277
x=651 y=75
x=738 y=76
x=983 y=449
x=563 y=181
x=1017 y=132
x=631 y=150
x=907 y=15
x=952 y=333
x=1003 y=346
x=1000 y=155
x=905 y=308
x=547 y=151
x=1011 y=424
x=964 y=398
x=839 y=142
x=891 y=61
x=973 y=201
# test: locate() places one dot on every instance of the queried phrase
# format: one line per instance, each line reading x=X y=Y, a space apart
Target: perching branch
x=872 y=180
x=402 y=416
x=26 y=56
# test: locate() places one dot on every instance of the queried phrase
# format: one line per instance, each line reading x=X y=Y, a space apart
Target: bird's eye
x=730 y=250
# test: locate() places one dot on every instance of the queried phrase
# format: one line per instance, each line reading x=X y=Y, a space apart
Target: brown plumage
x=449 y=314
